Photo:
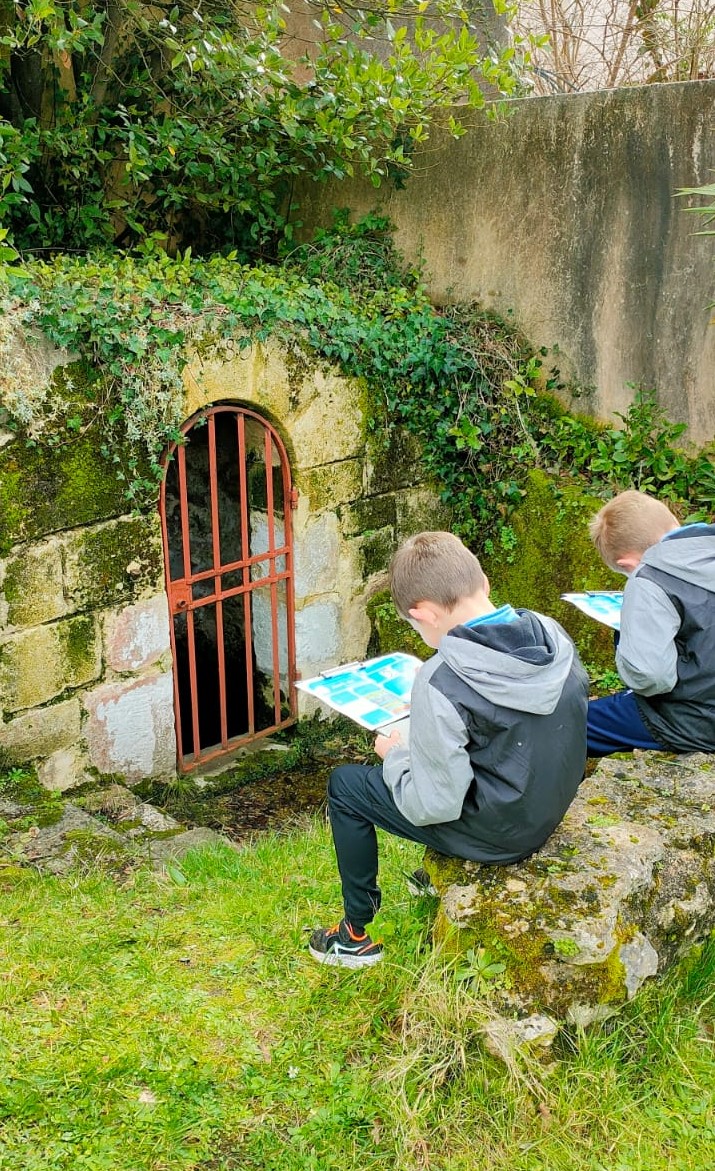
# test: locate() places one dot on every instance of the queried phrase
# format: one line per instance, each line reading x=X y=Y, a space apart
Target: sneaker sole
x=345 y=960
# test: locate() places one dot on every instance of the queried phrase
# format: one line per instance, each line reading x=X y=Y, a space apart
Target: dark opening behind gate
x=226 y=519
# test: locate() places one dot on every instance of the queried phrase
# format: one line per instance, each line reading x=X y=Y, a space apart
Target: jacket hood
x=688 y=554
x=522 y=664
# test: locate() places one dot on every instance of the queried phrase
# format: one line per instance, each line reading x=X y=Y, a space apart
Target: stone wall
x=85 y=662
x=562 y=217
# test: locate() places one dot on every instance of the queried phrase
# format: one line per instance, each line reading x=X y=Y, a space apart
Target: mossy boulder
x=552 y=555
x=621 y=890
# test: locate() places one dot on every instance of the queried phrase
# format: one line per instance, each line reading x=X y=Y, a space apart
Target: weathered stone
x=622 y=889
x=74 y=838
x=503 y=1037
x=42 y=662
x=114 y=801
x=370 y=513
x=376 y=549
x=316 y=557
x=331 y=484
x=99 y=562
x=41 y=732
x=149 y=818
x=420 y=508
x=328 y=423
x=130 y=727
x=46 y=489
x=64 y=769
x=137 y=636
x=395 y=465
x=317 y=636
x=32 y=586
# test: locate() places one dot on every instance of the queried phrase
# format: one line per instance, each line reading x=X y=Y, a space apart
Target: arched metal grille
x=226 y=505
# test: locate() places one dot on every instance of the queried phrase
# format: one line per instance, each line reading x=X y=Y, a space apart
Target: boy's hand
x=383 y=744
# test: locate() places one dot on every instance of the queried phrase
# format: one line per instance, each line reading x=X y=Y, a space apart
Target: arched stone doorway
x=225 y=508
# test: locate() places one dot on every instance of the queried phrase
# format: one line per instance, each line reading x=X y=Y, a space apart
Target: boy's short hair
x=433 y=567
x=630 y=523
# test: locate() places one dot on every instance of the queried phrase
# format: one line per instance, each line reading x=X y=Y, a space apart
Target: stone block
x=40 y=663
x=137 y=636
x=622 y=889
x=32 y=586
x=396 y=464
x=317 y=637
x=368 y=514
x=41 y=732
x=130 y=727
x=419 y=509
x=48 y=489
x=64 y=769
x=317 y=551
x=376 y=550
x=327 y=425
x=119 y=561
x=331 y=484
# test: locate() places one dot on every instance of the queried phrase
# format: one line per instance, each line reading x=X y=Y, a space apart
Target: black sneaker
x=420 y=884
x=341 y=947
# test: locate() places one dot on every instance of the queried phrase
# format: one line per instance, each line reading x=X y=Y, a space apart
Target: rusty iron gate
x=226 y=504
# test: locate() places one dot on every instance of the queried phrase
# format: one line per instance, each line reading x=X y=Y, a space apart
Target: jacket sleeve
x=646 y=656
x=430 y=778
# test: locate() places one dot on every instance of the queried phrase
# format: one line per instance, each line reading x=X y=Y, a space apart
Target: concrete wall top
x=563 y=216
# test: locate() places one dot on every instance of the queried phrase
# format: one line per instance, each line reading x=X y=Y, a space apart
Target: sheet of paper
x=373 y=694
x=603 y=605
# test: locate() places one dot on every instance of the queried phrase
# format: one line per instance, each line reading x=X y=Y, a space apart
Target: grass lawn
x=175 y=1022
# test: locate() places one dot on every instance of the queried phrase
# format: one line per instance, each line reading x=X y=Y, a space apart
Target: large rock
x=621 y=890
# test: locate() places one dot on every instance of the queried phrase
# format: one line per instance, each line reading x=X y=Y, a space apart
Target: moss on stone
x=98 y=558
x=553 y=554
x=376 y=549
x=45 y=488
x=388 y=632
x=78 y=644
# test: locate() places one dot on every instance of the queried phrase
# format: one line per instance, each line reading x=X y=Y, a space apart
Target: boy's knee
x=338 y=782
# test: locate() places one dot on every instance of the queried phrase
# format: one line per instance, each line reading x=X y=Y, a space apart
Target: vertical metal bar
x=172 y=623
x=272 y=571
x=245 y=554
x=190 y=637
x=216 y=547
x=289 y=590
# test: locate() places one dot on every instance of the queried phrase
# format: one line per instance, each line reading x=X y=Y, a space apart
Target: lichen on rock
x=622 y=889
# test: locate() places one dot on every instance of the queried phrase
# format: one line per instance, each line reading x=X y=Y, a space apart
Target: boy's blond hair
x=434 y=567
x=630 y=523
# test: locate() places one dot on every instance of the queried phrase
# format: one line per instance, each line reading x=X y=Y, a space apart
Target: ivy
x=464 y=384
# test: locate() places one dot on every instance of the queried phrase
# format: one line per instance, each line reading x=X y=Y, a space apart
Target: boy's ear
x=487 y=586
x=424 y=613
x=629 y=562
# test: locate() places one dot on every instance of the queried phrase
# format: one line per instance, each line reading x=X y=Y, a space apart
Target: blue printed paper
x=603 y=605
x=373 y=694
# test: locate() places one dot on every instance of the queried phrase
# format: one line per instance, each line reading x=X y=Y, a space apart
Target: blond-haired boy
x=497 y=739
x=666 y=651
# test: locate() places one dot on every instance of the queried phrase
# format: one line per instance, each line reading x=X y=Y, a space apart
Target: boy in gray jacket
x=666 y=650
x=497 y=739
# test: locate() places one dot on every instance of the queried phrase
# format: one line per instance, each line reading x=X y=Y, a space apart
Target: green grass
x=177 y=1022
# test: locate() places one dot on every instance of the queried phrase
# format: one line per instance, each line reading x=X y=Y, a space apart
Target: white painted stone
x=137 y=636
x=317 y=637
x=130 y=727
x=317 y=552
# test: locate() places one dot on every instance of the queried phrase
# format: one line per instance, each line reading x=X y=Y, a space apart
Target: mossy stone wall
x=553 y=555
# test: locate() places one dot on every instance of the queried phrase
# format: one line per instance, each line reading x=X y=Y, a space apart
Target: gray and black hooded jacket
x=497 y=736
x=666 y=652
